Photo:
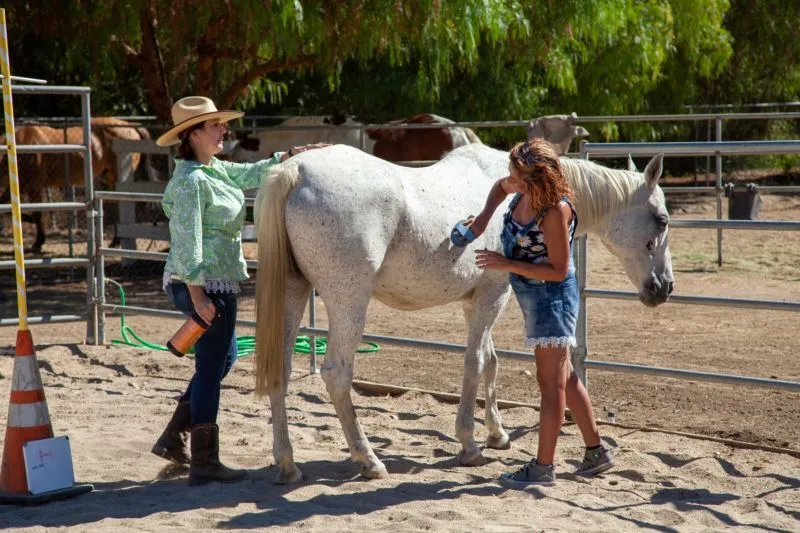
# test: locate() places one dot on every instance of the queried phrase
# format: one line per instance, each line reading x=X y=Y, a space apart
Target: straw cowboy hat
x=190 y=111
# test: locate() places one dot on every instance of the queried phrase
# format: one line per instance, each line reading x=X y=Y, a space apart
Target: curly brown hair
x=541 y=171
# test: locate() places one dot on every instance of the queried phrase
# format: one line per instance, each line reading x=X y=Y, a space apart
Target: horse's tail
x=274 y=264
x=472 y=136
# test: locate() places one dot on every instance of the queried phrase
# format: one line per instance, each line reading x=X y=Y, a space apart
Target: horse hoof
x=290 y=476
x=377 y=471
x=475 y=458
x=500 y=442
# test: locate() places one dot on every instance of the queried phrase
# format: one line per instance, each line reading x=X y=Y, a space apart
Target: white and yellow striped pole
x=28 y=417
x=13 y=175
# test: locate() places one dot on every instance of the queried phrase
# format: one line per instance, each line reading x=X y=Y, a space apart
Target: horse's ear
x=652 y=171
x=631 y=166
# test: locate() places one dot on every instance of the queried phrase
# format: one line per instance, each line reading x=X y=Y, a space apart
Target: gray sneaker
x=530 y=475
x=595 y=461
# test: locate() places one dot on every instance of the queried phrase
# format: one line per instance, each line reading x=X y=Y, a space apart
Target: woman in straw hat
x=204 y=202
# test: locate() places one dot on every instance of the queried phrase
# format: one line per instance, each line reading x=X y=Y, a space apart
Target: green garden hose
x=244 y=345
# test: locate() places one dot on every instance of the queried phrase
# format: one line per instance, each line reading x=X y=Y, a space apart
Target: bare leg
x=552 y=366
x=581 y=408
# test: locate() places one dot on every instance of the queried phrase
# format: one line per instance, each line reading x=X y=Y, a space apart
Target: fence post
x=581 y=351
x=73 y=215
x=708 y=158
x=719 y=192
x=100 y=260
x=91 y=288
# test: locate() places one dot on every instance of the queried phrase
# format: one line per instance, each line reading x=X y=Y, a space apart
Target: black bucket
x=743 y=202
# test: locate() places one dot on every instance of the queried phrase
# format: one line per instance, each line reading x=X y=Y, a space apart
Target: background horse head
x=356 y=227
x=558 y=129
x=428 y=144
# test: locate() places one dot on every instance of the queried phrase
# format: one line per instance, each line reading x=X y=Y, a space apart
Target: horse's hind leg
x=38 y=220
x=297 y=291
x=347 y=314
x=480 y=358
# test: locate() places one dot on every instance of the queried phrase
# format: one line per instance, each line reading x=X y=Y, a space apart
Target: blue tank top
x=525 y=242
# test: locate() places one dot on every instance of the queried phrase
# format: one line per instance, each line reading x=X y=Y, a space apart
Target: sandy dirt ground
x=113 y=401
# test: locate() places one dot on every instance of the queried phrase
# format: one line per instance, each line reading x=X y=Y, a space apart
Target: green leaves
x=384 y=59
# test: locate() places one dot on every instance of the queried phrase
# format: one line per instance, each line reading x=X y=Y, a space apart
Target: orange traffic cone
x=28 y=420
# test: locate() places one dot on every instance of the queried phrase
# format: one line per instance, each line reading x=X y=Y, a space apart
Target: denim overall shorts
x=550 y=308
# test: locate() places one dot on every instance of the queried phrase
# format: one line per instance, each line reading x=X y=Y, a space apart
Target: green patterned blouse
x=205 y=207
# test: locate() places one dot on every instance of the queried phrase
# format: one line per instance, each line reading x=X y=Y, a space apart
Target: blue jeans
x=215 y=352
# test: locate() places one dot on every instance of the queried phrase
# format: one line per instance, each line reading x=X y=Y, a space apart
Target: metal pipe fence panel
x=581 y=263
x=610 y=150
x=717 y=149
x=460 y=348
x=51 y=169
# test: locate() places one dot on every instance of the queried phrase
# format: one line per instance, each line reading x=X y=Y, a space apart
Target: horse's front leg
x=498 y=439
x=470 y=454
x=480 y=358
x=345 y=330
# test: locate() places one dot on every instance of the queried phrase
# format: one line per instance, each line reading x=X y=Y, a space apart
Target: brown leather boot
x=205 y=465
x=171 y=444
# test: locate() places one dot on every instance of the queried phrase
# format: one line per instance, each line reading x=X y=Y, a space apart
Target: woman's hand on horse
x=299 y=149
x=492 y=260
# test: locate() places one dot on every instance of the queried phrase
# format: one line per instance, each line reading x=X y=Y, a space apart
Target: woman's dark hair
x=185 y=150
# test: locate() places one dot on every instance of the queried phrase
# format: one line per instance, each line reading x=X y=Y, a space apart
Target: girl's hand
x=492 y=260
x=477 y=225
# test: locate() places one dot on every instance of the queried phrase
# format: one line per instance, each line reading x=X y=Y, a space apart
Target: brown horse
x=428 y=144
x=39 y=171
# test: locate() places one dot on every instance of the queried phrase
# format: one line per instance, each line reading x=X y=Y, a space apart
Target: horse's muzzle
x=655 y=292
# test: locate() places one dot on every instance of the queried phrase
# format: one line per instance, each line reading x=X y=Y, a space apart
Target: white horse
x=356 y=227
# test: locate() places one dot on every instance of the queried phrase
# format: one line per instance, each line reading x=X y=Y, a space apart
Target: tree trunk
x=204 y=75
x=151 y=63
x=237 y=87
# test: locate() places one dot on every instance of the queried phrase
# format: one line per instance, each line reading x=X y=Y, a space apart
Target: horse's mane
x=599 y=191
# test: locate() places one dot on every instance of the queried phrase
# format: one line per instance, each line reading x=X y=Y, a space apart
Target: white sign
x=48 y=464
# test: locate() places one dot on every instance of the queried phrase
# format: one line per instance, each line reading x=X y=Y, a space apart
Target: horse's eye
x=650 y=245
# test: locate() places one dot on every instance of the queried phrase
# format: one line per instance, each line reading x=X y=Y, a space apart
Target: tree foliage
x=383 y=59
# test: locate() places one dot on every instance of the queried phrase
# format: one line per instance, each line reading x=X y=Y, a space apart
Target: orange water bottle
x=191 y=330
